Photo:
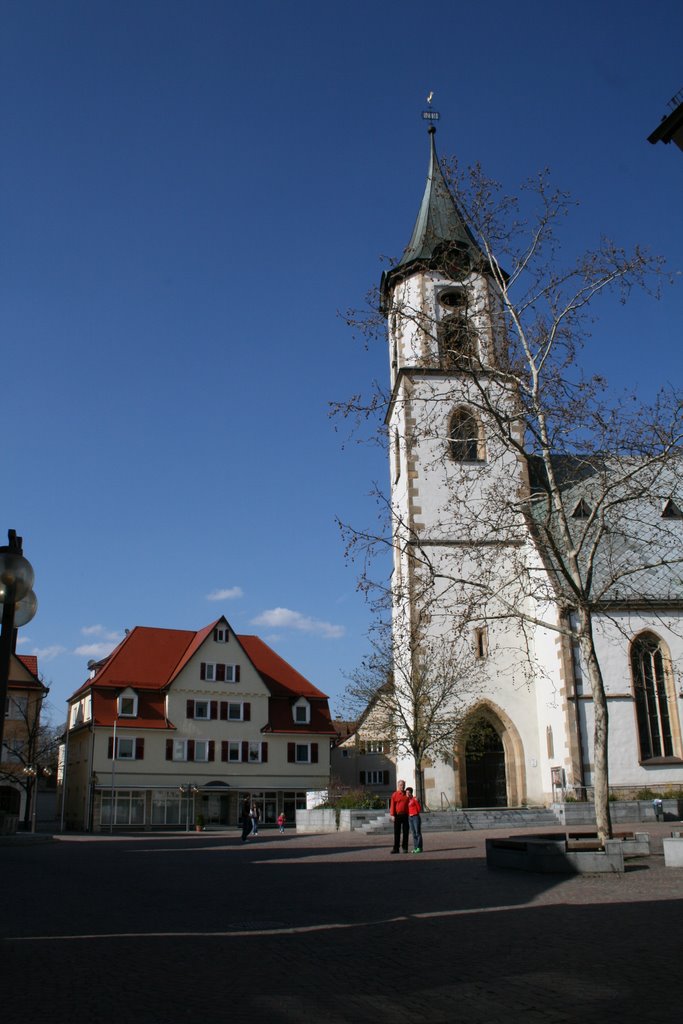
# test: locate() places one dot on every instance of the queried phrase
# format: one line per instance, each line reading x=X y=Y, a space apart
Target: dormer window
x=220 y=634
x=582 y=510
x=127 y=705
x=302 y=712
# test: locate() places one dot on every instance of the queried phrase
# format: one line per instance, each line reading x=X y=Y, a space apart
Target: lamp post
x=19 y=605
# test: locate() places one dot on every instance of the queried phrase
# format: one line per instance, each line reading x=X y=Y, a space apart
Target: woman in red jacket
x=414 y=810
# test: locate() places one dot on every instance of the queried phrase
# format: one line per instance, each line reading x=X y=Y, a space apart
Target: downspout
x=65 y=779
x=87 y=822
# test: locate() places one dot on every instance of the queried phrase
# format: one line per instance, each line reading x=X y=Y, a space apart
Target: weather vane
x=430 y=115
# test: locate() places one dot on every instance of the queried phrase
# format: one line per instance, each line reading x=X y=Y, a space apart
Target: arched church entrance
x=489 y=760
x=485 y=767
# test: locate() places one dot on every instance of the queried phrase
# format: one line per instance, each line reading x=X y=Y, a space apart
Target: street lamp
x=191 y=792
x=19 y=605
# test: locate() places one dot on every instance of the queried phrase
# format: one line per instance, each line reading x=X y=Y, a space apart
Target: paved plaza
x=306 y=928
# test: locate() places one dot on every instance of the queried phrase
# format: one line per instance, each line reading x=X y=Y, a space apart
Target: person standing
x=246 y=819
x=398 y=811
x=254 y=819
x=414 y=809
x=281 y=821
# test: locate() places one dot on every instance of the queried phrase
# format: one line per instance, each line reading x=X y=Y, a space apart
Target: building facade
x=527 y=736
x=175 y=729
x=21 y=736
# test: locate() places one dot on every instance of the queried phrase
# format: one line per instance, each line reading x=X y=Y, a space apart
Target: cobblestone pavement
x=303 y=928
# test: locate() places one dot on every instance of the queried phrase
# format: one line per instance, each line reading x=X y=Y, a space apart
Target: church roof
x=639 y=559
x=440 y=228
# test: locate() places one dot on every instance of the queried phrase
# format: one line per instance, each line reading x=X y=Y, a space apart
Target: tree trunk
x=600 y=728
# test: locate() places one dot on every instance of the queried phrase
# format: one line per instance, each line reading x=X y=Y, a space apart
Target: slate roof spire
x=440 y=229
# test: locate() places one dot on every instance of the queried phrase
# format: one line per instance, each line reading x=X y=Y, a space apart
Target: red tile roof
x=30 y=661
x=149 y=659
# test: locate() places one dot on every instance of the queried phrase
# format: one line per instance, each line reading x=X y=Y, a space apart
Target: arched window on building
x=466 y=437
x=658 y=731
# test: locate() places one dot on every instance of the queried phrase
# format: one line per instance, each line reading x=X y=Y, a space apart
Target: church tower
x=456 y=510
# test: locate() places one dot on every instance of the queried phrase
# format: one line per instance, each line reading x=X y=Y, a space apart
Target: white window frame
x=230 y=673
x=254 y=748
x=12 y=750
x=210 y=671
x=206 y=706
x=119 y=704
x=123 y=742
x=302 y=760
x=236 y=704
x=221 y=635
x=302 y=705
x=375 y=777
x=234 y=747
x=179 y=750
x=201 y=744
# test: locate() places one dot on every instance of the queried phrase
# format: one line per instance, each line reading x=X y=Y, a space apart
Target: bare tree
x=34 y=749
x=577 y=525
x=416 y=689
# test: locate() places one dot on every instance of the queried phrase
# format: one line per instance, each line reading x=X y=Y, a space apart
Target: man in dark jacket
x=398 y=809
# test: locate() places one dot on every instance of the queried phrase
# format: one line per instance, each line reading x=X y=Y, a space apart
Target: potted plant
x=199 y=823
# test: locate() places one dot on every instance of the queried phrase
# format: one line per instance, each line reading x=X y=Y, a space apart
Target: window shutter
x=224 y=750
x=362 y=778
x=237 y=673
x=246 y=711
x=291 y=752
x=202 y=670
x=190 y=709
x=212 y=750
x=169 y=750
x=314 y=753
x=139 y=748
x=220 y=673
x=110 y=747
x=224 y=711
x=385 y=776
x=245 y=750
x=264 y=752
x=214 y=709
x=190 y=750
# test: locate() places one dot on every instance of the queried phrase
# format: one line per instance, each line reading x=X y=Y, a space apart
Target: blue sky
x=189 y=193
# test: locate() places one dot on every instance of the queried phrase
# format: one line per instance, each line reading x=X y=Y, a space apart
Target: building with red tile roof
x=177 y=725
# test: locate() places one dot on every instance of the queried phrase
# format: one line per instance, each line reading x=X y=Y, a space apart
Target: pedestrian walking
x=281 y=821
x=245 y=818
x=255 y=815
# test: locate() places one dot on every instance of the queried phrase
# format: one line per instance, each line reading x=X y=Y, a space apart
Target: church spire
x=440 y=232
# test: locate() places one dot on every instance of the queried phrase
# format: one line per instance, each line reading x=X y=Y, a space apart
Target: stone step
x=466 y=819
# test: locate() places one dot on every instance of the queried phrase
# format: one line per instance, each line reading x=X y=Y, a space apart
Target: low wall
x=318 y=821
x=673 y=852
x=621 y=812
x=551 y=857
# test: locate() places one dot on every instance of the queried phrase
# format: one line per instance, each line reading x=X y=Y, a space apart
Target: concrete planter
x=318 y=821
x=673 y=852
x=551 y=856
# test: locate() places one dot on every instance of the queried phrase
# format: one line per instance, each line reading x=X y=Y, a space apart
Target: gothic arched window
x=650 y=684
x=465 y=437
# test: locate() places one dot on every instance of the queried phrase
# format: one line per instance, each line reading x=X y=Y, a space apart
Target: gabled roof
x=30 y=663
x=150 y=659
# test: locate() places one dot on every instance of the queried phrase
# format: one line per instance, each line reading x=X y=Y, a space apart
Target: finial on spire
x=430 y=115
